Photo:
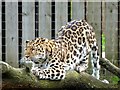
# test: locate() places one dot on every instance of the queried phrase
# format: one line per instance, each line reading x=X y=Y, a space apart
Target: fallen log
x=22 y=78
x=109 y=66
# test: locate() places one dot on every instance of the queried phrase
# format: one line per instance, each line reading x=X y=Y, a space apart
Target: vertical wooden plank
x=28 y=22
x=61 y=15
x=111 y=31
x=93 y=17
x=0 y=42
x=119 y=33
x=0 y=30
x=45 y=19
x=78 y=10
x=12 y=33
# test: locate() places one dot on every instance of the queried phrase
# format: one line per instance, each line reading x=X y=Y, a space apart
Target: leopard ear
x=26 y=42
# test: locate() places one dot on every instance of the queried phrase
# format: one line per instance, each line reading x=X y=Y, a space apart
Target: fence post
x=12 y=33
x=78 y=10
x=45 y=19
x=28 y=22
x=61 y=15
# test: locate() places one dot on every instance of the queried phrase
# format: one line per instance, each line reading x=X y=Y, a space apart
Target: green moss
x=115 y=79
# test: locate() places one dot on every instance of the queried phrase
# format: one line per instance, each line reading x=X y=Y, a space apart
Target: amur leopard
x=69 y=51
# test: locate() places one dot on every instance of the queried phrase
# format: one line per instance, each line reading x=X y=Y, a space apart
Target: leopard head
x=37 y=49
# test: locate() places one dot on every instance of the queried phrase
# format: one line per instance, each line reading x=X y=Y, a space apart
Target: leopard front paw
x=35 y=71
x=38 y=73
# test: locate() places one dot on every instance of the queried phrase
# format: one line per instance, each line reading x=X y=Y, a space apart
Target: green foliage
x=115 y=79
x=103 y=43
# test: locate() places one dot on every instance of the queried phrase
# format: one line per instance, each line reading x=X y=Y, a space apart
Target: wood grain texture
x=28 y=22
x=0 y=30
x=119 y=33
x=45 y=19
x=11 y=33
x=61 y=15
x=93 y=17
x=78 y=10
x=111 y=31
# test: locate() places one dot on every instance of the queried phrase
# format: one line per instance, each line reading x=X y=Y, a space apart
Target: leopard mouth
x=37 y=59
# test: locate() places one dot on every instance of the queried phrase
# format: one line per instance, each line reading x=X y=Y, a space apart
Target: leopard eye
x=33 y=49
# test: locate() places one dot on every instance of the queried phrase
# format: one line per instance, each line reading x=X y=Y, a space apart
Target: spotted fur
x=69 y=51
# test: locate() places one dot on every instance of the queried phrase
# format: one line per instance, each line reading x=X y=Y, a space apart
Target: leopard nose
x=27 y=56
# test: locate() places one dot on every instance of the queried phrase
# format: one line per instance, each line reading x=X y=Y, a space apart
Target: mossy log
x=22 y=78
x=109 y=66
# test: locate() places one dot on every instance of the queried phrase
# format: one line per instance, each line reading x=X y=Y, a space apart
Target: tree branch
x=109 y=66
x=73 y=79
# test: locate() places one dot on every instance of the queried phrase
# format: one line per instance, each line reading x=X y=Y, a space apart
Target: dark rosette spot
x=67 y=33
x=79 y=40
x=74 y=28
x=78 y=23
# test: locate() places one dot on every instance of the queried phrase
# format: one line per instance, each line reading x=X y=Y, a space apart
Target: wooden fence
x=26 y=20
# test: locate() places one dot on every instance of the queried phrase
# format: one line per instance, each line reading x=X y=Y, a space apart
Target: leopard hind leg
x=95 y=61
